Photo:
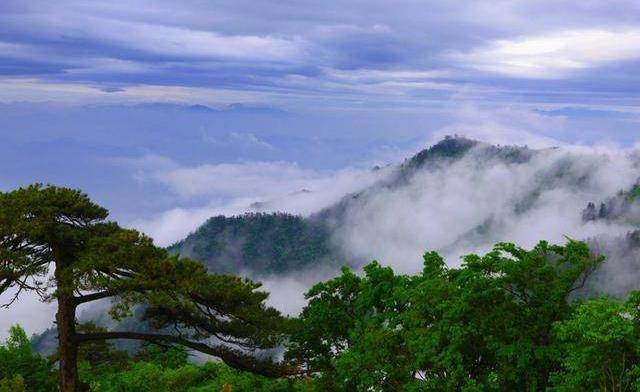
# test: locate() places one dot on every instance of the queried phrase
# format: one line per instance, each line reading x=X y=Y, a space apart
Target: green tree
x=13 y=384
x=487 y=325
x=170 y=371
x=601 y=346
x=494 y=323
x=59 y=230
x=21 y=368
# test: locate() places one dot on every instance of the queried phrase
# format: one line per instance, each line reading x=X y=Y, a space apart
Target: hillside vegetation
x=503 y=321
x=258 y=242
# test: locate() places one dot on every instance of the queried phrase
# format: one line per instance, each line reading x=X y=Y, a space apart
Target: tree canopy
x=488 y=325
x=511 y=319
x=59 y=244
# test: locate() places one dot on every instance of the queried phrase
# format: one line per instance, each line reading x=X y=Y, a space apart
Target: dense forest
x=194 y=317
x=258 y=242
x=511 y=319
x=506 y=320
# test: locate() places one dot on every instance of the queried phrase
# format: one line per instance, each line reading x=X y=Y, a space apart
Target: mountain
x=264 y=243
x=275 y=243
x=457 y=196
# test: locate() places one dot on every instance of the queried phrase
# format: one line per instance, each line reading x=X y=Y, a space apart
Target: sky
x=106 y=95
x=167 y=112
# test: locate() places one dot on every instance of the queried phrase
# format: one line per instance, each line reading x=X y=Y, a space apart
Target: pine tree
x=57 y=243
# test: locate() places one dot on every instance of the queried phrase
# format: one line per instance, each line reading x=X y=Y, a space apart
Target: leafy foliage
x=506 y=320
x=263 y=243
x=21 y=369
x=487 y=325
x=601 y=346
x=210 y=377
x=153 y=368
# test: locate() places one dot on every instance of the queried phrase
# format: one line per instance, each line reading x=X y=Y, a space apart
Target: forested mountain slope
x=458 y=196
x=265 y=243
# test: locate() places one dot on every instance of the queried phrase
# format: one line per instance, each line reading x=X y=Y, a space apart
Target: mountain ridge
x=221 y=246
x=267 y=245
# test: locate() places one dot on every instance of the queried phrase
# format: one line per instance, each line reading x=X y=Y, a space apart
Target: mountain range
x=500 y=189
x=457 y=196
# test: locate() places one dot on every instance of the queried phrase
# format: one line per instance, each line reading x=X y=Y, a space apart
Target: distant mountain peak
x=200 y=108
x=455 y=147
x=252 y=108
x=449 y=147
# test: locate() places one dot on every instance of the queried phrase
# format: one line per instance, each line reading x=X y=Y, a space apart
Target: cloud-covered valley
x=471 y=203
x=458 y=204
x=456 y=197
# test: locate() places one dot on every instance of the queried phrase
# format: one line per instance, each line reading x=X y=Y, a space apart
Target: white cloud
x=177 y=41
x=28 y=311
x=395 y=75
x=235 y=188
x=554 y=55
x=160 y=37
x=443 y=209
x=174 y=224
x=503 y=126
x=36 y=90
x=286 y=293
x=230 y=179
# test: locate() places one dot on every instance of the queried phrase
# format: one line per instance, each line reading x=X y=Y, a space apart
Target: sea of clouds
x=463 y=207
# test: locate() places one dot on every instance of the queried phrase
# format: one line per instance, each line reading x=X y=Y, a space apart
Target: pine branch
x=232 y=357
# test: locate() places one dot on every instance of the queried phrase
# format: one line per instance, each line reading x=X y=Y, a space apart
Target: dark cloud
x=290 y=48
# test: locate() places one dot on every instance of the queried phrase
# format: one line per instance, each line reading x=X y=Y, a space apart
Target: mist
x=460 y=207
x=468 y=205
x=28 y=311
x=471 y=204
x=234 y=189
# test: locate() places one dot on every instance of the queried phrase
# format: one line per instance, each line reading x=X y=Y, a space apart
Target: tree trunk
x=66 y=320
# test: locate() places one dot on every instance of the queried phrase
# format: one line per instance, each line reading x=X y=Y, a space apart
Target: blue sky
x=122 y=98
x=168 y=112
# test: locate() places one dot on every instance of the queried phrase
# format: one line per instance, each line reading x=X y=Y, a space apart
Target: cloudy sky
x=355 y=54
x=168 y=112
x=165 y=107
